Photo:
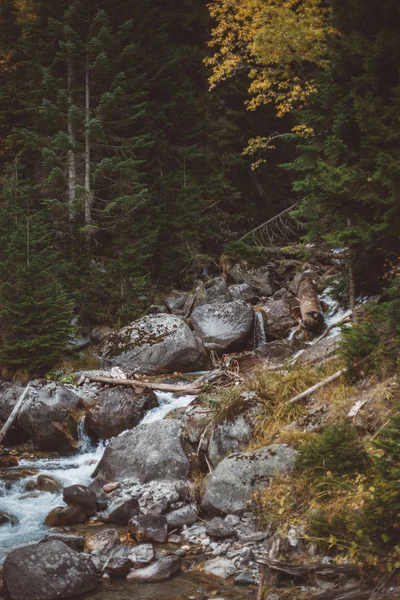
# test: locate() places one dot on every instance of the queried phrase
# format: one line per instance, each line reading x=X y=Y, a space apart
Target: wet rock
x=118 y=409
x=242 y=291
x=76 y=542
x=47 y=571
x=46 y=483
x=238 y=476
x=218 y=529
x=111 y=487
x=257 y=279
x=151 y=528
x=48 y=418
x=121 y=510
x=142 y=555
x=9 y=395
x=150 y=452
x=80 y=495
x=161 y=570
x=223 y=327
x=215 y=290
x=7 y=461
x=245 y=578
x=65 y=515
x=104 y=540
x=158 y=508
x=220 y=567
x=7 y=519
x=154 y=344
x=183 y=516
x=117 y=567
x=279 y=317
x=276 y=351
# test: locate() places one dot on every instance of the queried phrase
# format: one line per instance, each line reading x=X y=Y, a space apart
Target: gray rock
x=229 y=437
x=242 y=291
x=47 y=571
x=121 y=510
x=80 y=495
x=62 y=516
x=99 y=334
x=76 y=542
x=47 y=418
x=215 y=290
x=104 y=540
x=153 y=345
x=118 y=409
x=183 y=516
x=245 y=578
x=257 y=279
x=238 y=476
x=175 y=301
x=150 y=452
x=220 y=567
x=276 y=351
x=223 y=327
x=195 y=422
x=218 y=529
x=142 y=555
x=232 y=520
x=149 y=528
x=279 y=317
x=161 y=570
x=117 y=566
x=9 y=395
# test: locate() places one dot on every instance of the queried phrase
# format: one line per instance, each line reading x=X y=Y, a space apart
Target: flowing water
x=260 y=337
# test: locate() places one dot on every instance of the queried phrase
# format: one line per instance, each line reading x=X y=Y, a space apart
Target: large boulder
x=62 y=516
x=223 y=327
x=153 y=345
x=80 y=495
x=238 y=476
x=150 y=452
x=9 y=395
x=279 y=317
x=117 y=409
x=47 y=571
x=256 y=278
x=50 y=418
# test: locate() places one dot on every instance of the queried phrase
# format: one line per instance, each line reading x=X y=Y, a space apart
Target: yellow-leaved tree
x=279 y=43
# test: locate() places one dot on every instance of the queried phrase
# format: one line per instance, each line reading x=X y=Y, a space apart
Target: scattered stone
x=279 y=317
x=142 y=555
x=111 y=487
x=256 y=279
x=80 y=495
x=183 y=516
x=174 y=539
x=230 y=436
x=47 y=571
x=104 y=540
x=220 y=567
x=117 y=567
x=62 y=516
x=153 y=528
x=121 y=510
x=76 y=542
x=161 y=570
x=245 y=578
x=238 y=476
x=195 y=422
x=154 y=344
x=218 y=529
x=246 y=556
x=46 y=483
x=232 y=520
x=223 y=327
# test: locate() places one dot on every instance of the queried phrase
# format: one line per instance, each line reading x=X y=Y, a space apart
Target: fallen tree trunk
x=338 y=323
x=195 y=387
x=14 y=414
x=295 y=570
x=310 y=309
x=316 y=387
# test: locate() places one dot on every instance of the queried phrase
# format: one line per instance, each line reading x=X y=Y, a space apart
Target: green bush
x=337 y=450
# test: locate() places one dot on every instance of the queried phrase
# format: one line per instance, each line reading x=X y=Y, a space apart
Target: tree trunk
x=14 y=414
x=71 y=143
x=310 y=310
x=352 y=286
x=88 y=191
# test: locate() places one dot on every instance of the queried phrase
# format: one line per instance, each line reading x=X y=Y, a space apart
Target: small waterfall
x=260 y=337
x=85 y=443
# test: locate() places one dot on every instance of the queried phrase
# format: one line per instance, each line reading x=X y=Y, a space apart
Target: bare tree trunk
x=88 y=197
x=71 y=142
x=309 y=305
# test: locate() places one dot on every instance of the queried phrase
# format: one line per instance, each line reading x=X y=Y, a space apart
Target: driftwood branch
x=14 y=414
x=295 y=570
x=338 y=323
x=316 y=387
x=195 y=387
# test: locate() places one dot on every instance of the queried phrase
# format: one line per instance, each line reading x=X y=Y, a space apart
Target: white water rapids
x=31 y=508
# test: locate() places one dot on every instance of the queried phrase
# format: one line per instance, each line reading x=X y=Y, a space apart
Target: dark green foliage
x=242 y=252
x=337 y=451
x=372 y=344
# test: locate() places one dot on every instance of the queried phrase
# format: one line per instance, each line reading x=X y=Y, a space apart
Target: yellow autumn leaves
x=279 y=43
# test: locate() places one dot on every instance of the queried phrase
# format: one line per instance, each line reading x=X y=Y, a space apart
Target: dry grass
x=19 y=375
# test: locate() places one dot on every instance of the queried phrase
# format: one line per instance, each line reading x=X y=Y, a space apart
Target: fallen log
x=338 y=323
x=301 y=571
x=310 y=309
x=14 y=414
x=316 y=387
x=196 y=387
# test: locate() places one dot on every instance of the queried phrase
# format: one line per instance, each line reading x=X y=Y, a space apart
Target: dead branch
x=296 y=570
x=316 y=387
x=14 y=414
x=196 y=387
x=338 y=323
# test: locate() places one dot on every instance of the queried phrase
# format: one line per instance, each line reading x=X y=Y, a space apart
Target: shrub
x=337 y=450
